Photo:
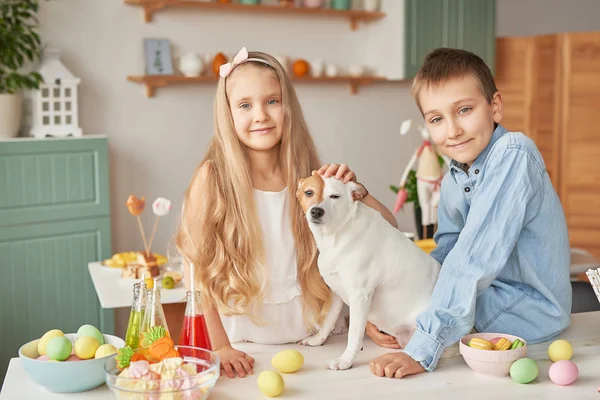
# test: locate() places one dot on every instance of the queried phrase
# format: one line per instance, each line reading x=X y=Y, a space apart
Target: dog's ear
x=358 y=190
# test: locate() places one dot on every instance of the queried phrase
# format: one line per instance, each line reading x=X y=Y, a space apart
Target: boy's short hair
x=444 y=64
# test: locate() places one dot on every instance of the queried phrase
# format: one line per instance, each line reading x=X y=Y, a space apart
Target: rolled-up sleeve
x=505 y=199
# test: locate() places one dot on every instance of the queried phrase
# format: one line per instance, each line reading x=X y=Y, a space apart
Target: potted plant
x=19 y=43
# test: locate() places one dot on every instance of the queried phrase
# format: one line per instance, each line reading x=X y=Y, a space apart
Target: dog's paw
x=314 y=340
x=339 y=364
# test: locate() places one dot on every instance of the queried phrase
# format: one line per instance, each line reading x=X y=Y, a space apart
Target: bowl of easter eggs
x=69 y=363
x=492 y=353
x=161 y=369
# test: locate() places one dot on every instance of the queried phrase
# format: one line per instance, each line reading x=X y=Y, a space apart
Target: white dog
x=369 y=265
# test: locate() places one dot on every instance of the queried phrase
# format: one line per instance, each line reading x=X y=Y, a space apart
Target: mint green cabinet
x=54 y=219
x=462 y=24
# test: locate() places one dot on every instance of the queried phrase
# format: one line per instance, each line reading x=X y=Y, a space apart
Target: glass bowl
x=207 y=365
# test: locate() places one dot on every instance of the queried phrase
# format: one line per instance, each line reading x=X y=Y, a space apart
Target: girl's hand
x=382 y=339
x=235 y=360
x=339 y=171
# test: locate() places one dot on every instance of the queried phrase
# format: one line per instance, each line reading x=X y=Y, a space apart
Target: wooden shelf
x=152 y=82
x=354 y=16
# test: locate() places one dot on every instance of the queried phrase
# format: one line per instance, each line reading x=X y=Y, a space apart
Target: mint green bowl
x=66 y=376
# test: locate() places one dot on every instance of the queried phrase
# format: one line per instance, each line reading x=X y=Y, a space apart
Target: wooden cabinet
x=550 y=85
x=462 y=24
x=54 y=219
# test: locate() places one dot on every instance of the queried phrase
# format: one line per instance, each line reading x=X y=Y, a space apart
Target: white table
x=452 y=377
x=115 y=292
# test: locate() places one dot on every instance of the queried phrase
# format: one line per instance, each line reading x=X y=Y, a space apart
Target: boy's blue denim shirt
x=504 y=248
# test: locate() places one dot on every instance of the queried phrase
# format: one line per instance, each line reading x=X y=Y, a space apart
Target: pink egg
x=43 y=358
x=73 y=357
x=563 y=372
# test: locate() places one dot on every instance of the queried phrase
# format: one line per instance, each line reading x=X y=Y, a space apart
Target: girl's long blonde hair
x=219 y=230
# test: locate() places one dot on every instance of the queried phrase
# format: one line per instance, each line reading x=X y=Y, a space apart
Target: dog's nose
x=316 y=212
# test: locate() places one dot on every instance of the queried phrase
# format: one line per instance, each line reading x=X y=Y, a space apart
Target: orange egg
x=300 y=67
x=219 y=60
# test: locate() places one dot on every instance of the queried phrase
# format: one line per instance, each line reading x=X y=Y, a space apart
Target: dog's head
x=328 y=201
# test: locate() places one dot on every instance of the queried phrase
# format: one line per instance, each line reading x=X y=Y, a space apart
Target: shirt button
x=467 y=189
x=476 y=171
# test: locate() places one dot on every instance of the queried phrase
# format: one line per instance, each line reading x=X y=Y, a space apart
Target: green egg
x=59 y=348
x=90 y=330
x=524 y=370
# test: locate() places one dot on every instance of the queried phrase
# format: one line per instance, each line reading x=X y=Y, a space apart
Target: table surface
x=314 y=382
x=115 y=292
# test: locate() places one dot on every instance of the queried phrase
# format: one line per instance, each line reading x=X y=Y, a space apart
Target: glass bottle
x=154 y=314
x=194 y=332
x=136 y=315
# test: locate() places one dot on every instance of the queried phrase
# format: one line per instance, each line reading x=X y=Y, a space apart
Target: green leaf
x=19 y=43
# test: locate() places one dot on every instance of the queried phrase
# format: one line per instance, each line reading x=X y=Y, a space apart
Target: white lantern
x=55 y=103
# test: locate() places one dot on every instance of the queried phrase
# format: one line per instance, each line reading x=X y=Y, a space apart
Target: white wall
x=156 y=143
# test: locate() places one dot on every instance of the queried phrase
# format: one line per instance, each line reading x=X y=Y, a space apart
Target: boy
x=502 y=237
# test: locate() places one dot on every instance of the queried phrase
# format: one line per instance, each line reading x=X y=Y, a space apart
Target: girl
x=242 y=227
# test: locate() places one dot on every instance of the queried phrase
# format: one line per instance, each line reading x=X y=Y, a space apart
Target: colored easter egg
x=560 y=350
x=46 y=338
x=563 y=372
x=270 y=383
x=59 y=348
x=105 y=350
x=524 y=370
x=288 y=361
x=86 y=346
x=90 y=330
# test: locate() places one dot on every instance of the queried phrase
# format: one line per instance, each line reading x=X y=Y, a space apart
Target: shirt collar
x=498 y=132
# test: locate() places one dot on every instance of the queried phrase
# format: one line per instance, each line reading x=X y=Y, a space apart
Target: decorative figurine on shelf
x=428 y=175
x=55 y=102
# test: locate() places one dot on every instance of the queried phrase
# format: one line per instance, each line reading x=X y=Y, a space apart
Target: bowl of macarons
x=492 y=353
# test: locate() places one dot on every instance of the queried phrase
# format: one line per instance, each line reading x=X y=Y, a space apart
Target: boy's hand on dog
x=382 y=339
x=235 y=362
x=395 y=365
x=342 y=172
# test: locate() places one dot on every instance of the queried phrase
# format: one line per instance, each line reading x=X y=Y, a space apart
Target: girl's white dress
x=280 y=311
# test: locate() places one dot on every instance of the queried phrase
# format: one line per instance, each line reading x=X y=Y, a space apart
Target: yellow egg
x=46 y=338
x=86 y=346
x=105 y=350
x=560 y=350
x=270 y=383
x=287 y=361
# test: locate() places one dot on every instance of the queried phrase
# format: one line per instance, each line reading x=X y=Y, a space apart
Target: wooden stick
x=153 y=233
x=143 y=235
